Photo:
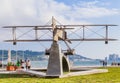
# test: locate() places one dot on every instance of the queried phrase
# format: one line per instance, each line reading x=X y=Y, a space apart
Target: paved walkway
x=3 y=71
x=31 y=72
x=92 y=71
x=75 y=73
x=42 y=74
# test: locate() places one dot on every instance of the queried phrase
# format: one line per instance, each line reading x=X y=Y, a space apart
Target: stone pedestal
x=65 y=64
x=55 y=64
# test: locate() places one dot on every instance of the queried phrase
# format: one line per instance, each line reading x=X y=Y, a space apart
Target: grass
x=113 y=76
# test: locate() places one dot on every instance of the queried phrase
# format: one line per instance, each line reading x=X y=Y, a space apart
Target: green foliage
x=18 y=63
x=10 y=64
x=113 y=76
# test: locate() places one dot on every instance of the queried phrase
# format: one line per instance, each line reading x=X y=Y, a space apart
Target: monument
x=58 y=62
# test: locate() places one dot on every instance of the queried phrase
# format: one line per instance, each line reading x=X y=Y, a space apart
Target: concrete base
x=88 y=72
x=55 y=61
x=75 y=73
x=83 y=71
x=65 y=64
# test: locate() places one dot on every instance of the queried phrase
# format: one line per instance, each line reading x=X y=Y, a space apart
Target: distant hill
x=78 y=57
x=35 y=55
x=32 y=55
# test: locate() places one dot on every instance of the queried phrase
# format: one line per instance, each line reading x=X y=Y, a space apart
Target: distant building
x=105 y=58
x=114 y=57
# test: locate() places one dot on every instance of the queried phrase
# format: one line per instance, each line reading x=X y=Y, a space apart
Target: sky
x=39 y=12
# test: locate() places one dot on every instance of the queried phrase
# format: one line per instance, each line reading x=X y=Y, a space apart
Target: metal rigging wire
x=25 y=34
x=96 y=32
x=75 y=33
x=32 y=36
x=88 y=36
x=46 y=33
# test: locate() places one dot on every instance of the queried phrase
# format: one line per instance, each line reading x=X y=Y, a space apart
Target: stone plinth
x=55 y=61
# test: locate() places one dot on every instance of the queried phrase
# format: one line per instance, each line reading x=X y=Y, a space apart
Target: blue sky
x=38 y=12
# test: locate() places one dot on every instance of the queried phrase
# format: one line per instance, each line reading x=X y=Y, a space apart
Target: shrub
x=10 y=64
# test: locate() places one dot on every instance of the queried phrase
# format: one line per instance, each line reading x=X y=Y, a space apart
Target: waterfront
x=43 y=64
x=89 y=63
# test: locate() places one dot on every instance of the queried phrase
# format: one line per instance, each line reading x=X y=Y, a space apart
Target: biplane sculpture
x=57 y=58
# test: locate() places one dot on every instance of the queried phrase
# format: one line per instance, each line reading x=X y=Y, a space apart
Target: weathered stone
x=57 y=61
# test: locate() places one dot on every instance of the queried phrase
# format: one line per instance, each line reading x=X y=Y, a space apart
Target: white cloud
x=93 y=9
x=88 y=4
x=35 y=12
x=95 y=12
x=39 y=11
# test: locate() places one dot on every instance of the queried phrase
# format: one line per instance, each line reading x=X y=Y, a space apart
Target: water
x=43 y=64
x=87 y=63
x=39 y=64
